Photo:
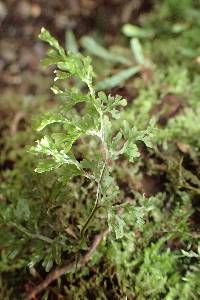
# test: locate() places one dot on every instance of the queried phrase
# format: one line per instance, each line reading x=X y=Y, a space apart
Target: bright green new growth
x=93 y=121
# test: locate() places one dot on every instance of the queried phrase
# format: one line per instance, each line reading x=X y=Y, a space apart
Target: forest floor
x=148 y=52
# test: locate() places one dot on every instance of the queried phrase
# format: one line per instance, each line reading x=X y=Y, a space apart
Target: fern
x=94 y=122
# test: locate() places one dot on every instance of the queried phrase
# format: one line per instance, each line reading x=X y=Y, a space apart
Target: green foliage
x=117 y=79
x=97 y=50
x=100 y=165
x=95 y=120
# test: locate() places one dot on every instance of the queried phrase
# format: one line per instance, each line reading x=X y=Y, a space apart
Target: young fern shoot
x=94 y=121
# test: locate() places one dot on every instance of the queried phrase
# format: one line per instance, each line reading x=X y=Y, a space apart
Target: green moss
x=39 y=214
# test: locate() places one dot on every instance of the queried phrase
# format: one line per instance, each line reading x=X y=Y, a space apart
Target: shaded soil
x=21 y=21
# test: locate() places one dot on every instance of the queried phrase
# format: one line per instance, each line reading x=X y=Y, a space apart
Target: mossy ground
x=39 y=215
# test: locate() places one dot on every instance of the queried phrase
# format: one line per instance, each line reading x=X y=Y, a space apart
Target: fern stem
x=98 y=193
x=85 y=226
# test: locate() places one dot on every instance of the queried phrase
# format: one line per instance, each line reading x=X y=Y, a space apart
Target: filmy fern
x=93 y=122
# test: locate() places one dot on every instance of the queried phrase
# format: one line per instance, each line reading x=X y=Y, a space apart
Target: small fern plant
x=85 y=114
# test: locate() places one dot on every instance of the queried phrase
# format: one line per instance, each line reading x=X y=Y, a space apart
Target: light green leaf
x=59 y=138
x=47 y=37
x=45 y=166
x=71 y=137
x=131 y=151
x=179 y=27
x=147 y=136
x=45 y=145
x=117 y=146
x=51 y=118
x=70 y=42
x=110 y=189
x=22 y=210
x=116 y=224
x=95 y=49
x=115 y=113
x=136 y=31
x=75 y=64
x=60 y=75
x=67 y=172
x=117 y=79
x=109 y=104
x=137 y=51
x=48 y=263
x=48 y=147
x=190 y=253
x=48 y=61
